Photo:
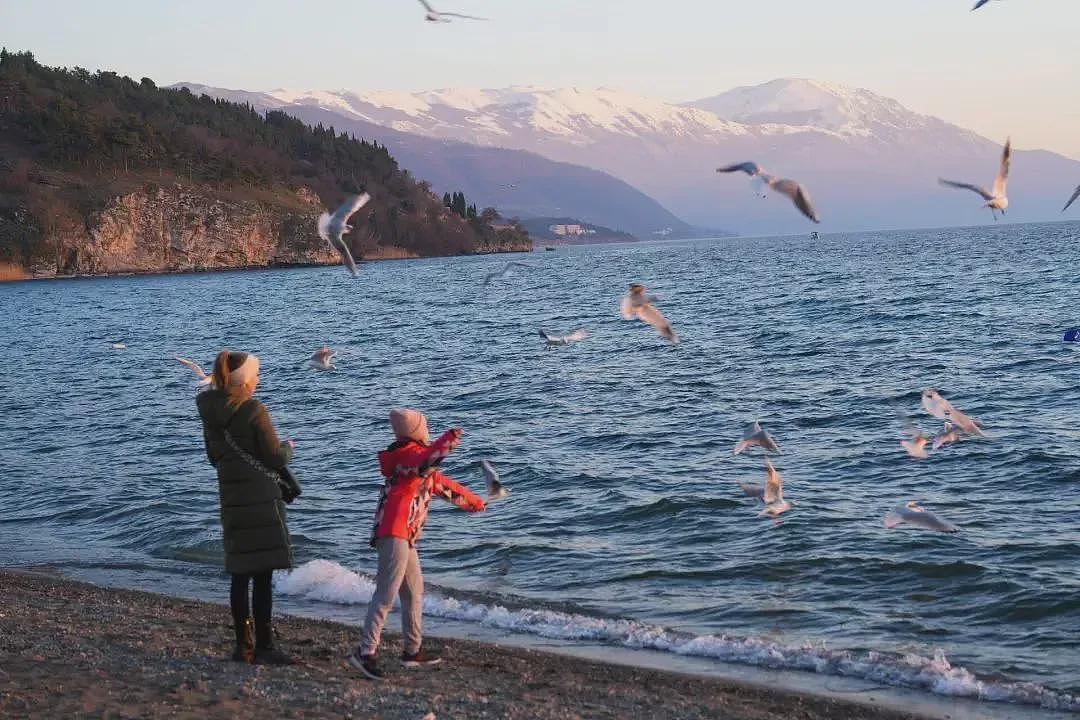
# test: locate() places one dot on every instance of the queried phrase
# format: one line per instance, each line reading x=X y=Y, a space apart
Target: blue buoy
x=1072 y=335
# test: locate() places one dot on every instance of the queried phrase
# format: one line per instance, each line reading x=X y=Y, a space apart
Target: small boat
x=814 y=235
x=549 y=248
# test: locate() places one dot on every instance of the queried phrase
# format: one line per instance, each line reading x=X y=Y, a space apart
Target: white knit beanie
x=248 y=371
x=409 y=424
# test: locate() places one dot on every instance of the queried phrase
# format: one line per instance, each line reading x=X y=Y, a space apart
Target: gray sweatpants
x=398 y=574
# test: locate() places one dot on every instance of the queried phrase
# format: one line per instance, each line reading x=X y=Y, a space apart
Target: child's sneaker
x=365 y=664
x=420 y=658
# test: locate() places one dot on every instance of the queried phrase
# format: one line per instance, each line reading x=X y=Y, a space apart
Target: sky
x=1012 y=68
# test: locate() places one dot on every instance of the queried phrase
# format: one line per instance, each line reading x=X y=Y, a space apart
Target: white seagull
x=753 y=435
x=332 y=227
x=204 y=379
x=495 y=489
x=1076 y=194
x=795 y=192
x=942 y=409
x=638 y=305
x=773 y=496
x=913 y=514
x=321 y=359
x=505 y=271
x=553 y=340
x=995 y=198
x=435 y=16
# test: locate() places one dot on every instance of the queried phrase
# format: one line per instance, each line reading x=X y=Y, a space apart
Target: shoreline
x=69 y=647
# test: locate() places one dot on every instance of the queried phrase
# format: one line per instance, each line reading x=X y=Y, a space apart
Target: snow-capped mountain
x=868 y=161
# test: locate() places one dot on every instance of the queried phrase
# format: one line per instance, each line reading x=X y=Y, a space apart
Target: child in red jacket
x=411 y=480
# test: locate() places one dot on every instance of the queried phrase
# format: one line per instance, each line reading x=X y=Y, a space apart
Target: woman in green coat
x=254 y=483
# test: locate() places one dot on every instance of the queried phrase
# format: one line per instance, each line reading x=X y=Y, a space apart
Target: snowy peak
x=810 y=103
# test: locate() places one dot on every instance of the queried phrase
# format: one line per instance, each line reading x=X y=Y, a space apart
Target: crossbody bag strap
x=248 y=457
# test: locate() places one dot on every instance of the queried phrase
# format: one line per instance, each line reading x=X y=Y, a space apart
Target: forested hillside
x=93 y=162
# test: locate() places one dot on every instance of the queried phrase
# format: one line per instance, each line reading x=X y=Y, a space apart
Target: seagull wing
x=967 y=186
x=750 y=168
x=459 y=15
x=495 y=489
x=798 y=195
x=576 y=336
x=323 y=226
x=346 y=256
x=1075 y=195
x=752 y=490
x=654 y=317
x=936 y=405
x=979 y=4
x=347 y=208
x=1003 y=171
x=774 y=489
x=547 y=338
x=198 y=370
x=431 y=9
x=627 y=309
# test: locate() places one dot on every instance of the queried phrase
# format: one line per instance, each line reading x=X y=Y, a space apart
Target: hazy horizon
x=692 y=50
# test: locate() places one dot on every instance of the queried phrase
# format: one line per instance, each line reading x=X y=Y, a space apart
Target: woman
x=253 y=480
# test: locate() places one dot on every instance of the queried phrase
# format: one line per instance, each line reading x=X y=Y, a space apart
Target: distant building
x=564 y=230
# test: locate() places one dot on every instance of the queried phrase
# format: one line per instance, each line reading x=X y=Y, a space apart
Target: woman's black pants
x=261 y=598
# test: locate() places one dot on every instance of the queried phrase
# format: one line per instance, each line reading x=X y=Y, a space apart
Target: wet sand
x=71 y=649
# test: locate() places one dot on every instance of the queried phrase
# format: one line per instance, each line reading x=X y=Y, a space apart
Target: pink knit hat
x=409 y=424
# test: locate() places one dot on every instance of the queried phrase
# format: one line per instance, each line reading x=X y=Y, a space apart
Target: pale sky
x=1012 y=68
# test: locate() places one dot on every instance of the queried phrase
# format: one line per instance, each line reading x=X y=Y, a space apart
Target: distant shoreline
x=70 y=648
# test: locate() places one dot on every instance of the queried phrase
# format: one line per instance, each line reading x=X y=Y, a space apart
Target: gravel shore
x=73 y=650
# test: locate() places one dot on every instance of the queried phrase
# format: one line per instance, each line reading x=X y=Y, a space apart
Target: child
x=411 y=480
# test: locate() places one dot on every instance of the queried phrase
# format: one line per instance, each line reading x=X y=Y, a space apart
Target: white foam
x=327 y=581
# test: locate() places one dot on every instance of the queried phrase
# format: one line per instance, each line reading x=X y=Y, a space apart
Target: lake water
x=625 y=523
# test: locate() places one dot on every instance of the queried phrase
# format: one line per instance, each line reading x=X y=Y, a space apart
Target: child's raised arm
x=456 y=493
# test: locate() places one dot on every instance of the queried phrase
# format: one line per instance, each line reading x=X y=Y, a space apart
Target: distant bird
x=638 y=305
x=553 y=340
x=1075 y=195
x=773 y=497
x=204 y=379
x=942 y=409
x=913 y=514
x=332 y=227
x=435 y=16
x=996 y=199
x=117 y=345
x=321 y=359
x=495 y=489
x=795 y=192
x=979 y=4
x=916 y=446
x=505 y=271
x=754 y=435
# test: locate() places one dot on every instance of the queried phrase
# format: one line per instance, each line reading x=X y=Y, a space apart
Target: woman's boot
x=245 y=642
x=265 y=652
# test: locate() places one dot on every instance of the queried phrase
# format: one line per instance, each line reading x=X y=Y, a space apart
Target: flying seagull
x=795 y=192
x=638 y=305
x=118 y=345
x=773 y=496
x=979 y=4
x=321 y=359
x=995 y=198
x=753 y=435
x=942 y=409
x=913 y=514
x=553 y=340
x=435 y=16
x=505 y=271
x=495 y=490
x=332 y=227
x=204 y=379
x=1075 y=195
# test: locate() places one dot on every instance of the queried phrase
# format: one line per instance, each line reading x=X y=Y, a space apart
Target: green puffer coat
x=252 y=511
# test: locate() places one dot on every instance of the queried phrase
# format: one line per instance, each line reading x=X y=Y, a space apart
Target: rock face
x=181 y=229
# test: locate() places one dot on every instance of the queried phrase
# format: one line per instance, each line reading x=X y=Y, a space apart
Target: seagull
x=1075 y=195
x=117 y=345
x=773 y=496
x=320 y=360
x=995 y=198
x=435 y=16
x=754 y=435
x=942 y=409
x=495 y=490
x=916 y=446
x=638 y=305
x=949 y=434
x=505 y=271
x=913 y=514
x=795 y=192
x=979 y=4
x=553 y=340
x=332 y=227
x=204 y=379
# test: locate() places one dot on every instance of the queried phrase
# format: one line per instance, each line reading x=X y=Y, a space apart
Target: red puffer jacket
x=411 y=480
